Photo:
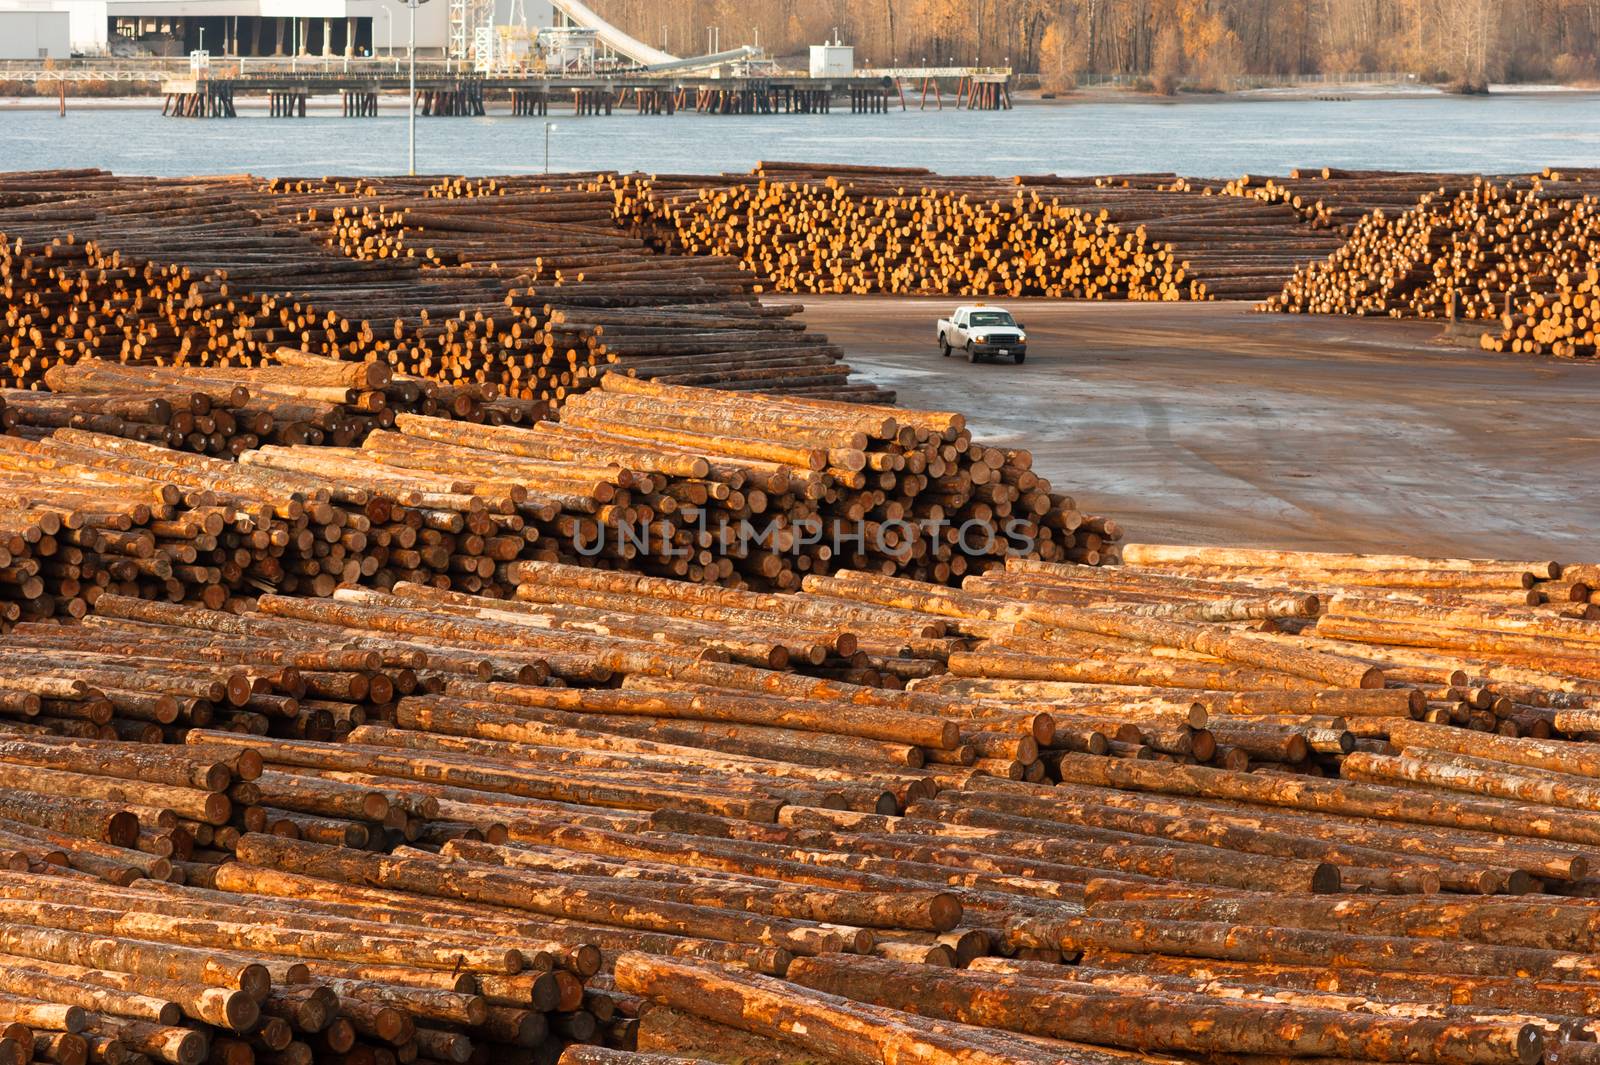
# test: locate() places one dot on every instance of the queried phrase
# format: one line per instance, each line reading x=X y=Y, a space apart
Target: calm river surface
x=1213 y=138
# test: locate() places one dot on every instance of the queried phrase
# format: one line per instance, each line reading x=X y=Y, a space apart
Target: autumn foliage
x=1201 y=44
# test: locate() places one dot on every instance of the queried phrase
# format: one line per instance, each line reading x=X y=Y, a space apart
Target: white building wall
x=35 y=34
x=832 y=60
x=86 y=24
x=433 y=20
x=541 y=14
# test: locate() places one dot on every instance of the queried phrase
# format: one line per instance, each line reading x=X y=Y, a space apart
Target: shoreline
x=1027 y=98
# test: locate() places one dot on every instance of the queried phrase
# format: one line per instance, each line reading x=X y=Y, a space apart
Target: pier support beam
x=199 y=100
x=360 y=103
x=286 y=103
x=530 y=103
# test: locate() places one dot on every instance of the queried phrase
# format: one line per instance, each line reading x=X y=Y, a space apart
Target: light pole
x=411 y=108
x=548 y=126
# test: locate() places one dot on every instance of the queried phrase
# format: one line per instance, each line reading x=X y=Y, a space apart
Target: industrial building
x=42 y=29
x=458 y=29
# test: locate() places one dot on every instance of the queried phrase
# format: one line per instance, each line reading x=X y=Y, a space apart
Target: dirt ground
x=1207 y=423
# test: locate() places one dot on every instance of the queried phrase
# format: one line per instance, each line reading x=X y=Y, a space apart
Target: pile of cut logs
x=92 y=513
x=824 y=228
x=597 y=297
x=715 y=486
x=691 y=828
x=513 y=292
x=1328 y=198
x=243 y=967
x=298 y=398
x=720 y=487
x=1480 y=644
x=1518 y=250
x=900 y=231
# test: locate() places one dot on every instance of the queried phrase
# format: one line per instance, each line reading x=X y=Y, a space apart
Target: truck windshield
x=990 y=318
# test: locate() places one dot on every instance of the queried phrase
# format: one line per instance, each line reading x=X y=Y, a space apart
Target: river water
x=1511 y=132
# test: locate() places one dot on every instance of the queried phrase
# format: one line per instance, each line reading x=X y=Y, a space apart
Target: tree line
x=1200 y=43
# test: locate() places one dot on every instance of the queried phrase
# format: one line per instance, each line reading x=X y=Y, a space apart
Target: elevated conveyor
x=579 y=14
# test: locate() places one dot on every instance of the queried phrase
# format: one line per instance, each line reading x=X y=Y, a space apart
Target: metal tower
x=468 y=18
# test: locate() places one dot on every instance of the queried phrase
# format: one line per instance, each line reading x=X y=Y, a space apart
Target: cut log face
x=1508 y=252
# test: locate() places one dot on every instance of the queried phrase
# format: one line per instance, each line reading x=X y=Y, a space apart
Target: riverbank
x=1324 y=92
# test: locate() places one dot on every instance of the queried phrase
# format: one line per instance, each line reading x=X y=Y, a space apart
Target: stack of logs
x=691 y=825
x=273 y=968
x=1518 y=250
x=833 y=228
x=713 y=486
x=526 y=285
x=719 y=487
x=513 y=294
x=298 y=398
x=598 y=298
x=92 y=513
x=867 y=229
x=1337 y=200
x=1327 y=656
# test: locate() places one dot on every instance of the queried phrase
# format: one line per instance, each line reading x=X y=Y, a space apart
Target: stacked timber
x=905 y=492
x=1288 y=660
x=1254 y=956
x=1519 y=251
x=298 y=399
x=721 y=487
x=92 y=513
x=824 y=228
x=909 y=233
x=221 y=272
x=593 y=709
x=1486 y=581
x=220 y=972
x=132 y=672
x=217 y=278
x=686 y=482
x=657 y=787
x=599 y=298
x=1333 y=199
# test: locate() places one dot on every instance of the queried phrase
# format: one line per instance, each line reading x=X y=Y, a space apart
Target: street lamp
x=411 y=106
x=202 y=38
x=548 y=126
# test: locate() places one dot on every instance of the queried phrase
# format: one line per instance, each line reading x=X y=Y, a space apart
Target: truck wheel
x=1019 y=356
x=944 y=347
x=972 y=353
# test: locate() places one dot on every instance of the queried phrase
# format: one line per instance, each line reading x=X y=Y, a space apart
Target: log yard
x=831 y=613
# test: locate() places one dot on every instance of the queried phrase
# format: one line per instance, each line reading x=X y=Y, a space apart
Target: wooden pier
x=457 y=95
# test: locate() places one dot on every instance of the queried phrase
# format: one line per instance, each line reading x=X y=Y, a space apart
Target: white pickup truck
x=982 y=332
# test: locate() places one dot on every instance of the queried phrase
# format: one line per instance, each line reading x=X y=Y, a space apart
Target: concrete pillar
x=277 y=35
x=327 y=36
x=350 y=36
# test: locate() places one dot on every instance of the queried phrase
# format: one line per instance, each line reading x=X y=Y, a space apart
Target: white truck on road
x=982 y=332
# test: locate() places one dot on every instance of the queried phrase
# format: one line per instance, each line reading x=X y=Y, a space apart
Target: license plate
x=1003 y=351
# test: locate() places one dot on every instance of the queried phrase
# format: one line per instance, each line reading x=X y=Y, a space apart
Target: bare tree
x=1473 y=40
